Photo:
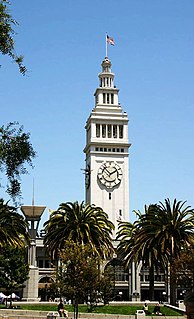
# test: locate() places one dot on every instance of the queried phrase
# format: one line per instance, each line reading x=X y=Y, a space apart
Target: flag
x=110 y=40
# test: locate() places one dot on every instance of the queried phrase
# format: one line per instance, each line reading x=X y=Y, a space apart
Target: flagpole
x=106 y=46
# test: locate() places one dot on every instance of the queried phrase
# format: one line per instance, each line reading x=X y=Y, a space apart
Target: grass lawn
x=109 y=309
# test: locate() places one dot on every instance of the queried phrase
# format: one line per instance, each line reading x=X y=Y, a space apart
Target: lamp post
x=33 y=215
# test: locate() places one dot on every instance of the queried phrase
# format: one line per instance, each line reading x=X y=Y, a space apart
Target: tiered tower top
x=107 y=122
x=106 y=77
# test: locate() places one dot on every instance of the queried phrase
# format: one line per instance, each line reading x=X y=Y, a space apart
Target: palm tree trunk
x=172 y=277
x=151 y=285
x=172 y=291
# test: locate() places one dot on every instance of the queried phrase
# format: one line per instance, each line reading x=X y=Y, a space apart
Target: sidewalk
x=28 y=314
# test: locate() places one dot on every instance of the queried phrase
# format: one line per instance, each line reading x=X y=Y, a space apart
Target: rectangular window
x=115 y=131
x=40 y=263
x=122 y=150
x=109 y=195
x=109 y=150
x=104 y=98
x=120 y=131
x=109 y=131
x=47 y=263
x=105 y=149
x=97 y=130
x=103 y=130
x=96 y=149
x=108 y=95
x=112 y=98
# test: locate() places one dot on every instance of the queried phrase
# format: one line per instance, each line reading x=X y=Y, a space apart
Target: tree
x=7 y=44
x=15 y=151
x=182 y=269
x=138 y=245
x=174 y=229
x=84 y=224
x=158 y=237
x=13 y=227
x=14 y=269
x=78 y=275
x=106 y=286
x=152 y=255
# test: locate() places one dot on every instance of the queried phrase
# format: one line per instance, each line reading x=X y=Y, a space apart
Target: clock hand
x=113 y=172
x=107 y=172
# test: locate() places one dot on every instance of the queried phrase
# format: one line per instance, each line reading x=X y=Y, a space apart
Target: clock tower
x=107 y=151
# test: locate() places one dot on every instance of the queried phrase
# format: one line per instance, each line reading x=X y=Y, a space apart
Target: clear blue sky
x=63 y=42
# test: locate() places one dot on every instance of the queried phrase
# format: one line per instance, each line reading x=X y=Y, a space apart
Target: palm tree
x=157 y=237
x=174 y=230
x=84 y=224
x=137 y=244
x=13 y=227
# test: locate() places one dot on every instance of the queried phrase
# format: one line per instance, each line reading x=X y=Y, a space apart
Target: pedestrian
x=61 y=309
x=189 y=304
x=145 y=308
x=157 y=310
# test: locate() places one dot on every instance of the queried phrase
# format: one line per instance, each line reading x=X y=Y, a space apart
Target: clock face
x=110 y=174
x=87 y=176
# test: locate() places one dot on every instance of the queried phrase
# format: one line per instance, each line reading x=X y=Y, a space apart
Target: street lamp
x=33 y=215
